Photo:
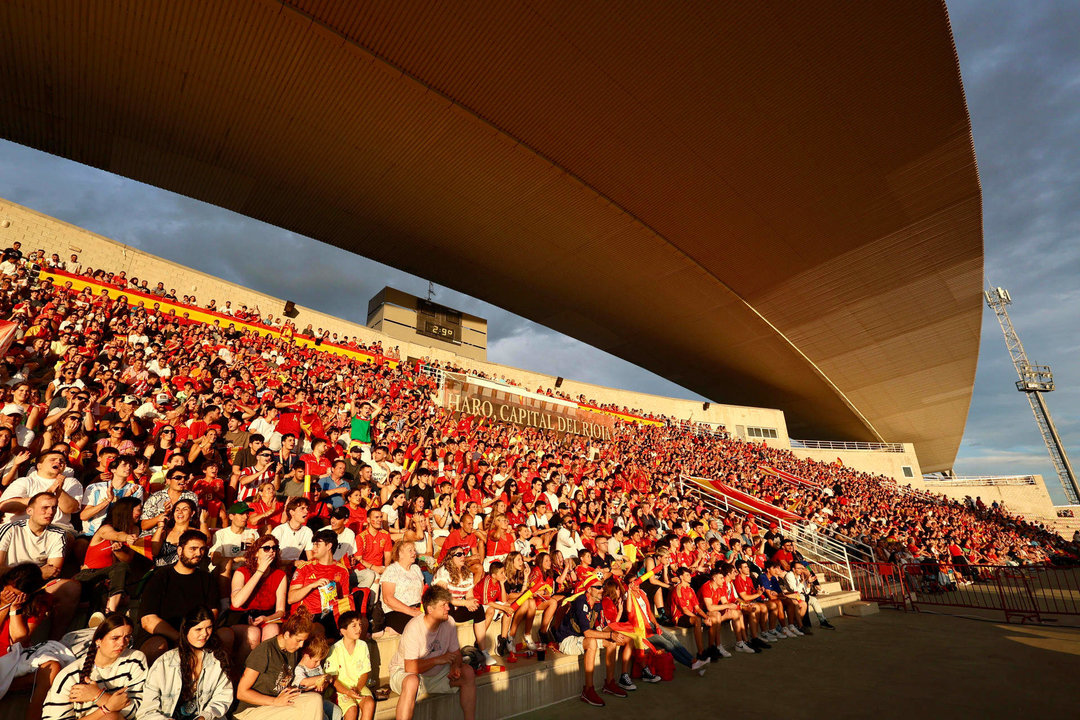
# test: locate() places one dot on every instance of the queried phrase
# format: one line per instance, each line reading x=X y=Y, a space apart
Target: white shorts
x=572 y=645
x=434 y=683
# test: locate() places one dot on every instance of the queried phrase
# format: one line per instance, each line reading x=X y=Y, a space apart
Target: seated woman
x=109 y=557
x=106 y=684
x=464 y=607
x=402 y=585
x=266 y=509
x=258 y=596
x=547 y=601
x=23 y=604
x=517 y=575
x=179 y=521
x=263 y=690
x=192 y=680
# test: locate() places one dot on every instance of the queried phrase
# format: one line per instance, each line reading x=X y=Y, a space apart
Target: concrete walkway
x=889 y=665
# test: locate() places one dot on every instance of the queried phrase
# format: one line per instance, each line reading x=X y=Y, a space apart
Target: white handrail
x=814 y=545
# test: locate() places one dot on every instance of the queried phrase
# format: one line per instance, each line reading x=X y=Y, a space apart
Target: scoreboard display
x=438 y=321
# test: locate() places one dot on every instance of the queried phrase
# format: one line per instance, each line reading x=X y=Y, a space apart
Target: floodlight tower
x=1034 y=381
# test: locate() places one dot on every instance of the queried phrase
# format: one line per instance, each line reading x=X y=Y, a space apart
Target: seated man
x=752 y=603
x=798 y=580
x=788 y=610
x=579 y=634
x=318 y=585
x=721 y=602
x=687 y=612
x=36 y=540
x=428 y=659
x=174 y=591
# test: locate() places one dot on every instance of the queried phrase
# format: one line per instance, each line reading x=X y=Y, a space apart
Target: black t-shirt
x=171 y=596
x=275 y=668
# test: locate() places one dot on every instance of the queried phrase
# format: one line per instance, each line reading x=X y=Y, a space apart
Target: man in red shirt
x=373 y=548
x=321 y=583
x=687 y=612
x=717 y=597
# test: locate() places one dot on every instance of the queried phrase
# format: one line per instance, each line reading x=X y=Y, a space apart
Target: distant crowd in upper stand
x=216 y=521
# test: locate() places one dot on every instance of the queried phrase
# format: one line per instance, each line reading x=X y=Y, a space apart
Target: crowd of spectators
x=219 y=520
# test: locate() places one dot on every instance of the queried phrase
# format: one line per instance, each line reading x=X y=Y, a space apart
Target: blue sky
x=1021 y=70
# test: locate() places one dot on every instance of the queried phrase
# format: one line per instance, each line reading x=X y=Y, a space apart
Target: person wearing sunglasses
x=257 y=598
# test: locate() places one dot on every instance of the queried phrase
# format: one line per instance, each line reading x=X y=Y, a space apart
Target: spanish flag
x=636 y=625
x=541 y=585
x=143 y=546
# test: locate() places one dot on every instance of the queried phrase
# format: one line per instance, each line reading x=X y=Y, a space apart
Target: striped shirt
x=128 y=672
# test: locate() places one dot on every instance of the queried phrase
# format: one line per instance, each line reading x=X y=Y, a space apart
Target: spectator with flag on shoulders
x=320 y=583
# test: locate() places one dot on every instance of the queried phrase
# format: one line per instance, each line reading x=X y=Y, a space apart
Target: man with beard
x=174 y=591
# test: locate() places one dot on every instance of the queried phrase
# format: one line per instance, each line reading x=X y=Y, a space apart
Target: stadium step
x=860 y=608
x=827 y=588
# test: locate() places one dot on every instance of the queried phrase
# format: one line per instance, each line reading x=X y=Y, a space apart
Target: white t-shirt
x=346 y=544
x=31 y=485
x=22 y=545
x=408 y=584
x=292 y=542
x=567 y=542
x=417 y=643
x=460 y=590
x=232 y=544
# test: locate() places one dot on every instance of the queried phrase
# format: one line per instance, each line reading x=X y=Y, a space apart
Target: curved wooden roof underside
x=773 y=204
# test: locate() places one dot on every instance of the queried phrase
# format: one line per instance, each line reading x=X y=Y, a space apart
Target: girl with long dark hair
x=107 y=683
x=192 y=680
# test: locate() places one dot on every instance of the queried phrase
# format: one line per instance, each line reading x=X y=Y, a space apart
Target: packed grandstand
x=280 y=496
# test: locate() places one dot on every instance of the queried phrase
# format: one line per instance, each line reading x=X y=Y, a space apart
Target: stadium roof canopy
x=771 y=203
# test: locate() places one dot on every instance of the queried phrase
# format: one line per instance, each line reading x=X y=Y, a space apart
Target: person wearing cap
x=580 y=634
x=12 y=416
x=157 y=408
x=230 y=543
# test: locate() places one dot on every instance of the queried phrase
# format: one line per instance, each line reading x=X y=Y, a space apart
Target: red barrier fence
x=1025 y=594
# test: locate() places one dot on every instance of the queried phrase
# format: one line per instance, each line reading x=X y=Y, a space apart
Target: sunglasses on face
x=168 y=432
x=270 y=548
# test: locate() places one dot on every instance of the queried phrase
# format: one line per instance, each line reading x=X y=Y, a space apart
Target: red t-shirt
x=456 y=539
x=311 y=572
x=487 y=591
x=744 y=584
x=713 y=594
x=370 y=548
x=685 y=602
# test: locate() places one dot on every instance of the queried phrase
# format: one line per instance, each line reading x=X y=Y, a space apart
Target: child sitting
x=310 y=675
x=350 y=664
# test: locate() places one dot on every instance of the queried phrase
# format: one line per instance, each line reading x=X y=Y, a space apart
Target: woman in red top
x=266 y=509
x=500 y=541
x=547 y=601
x=257 y=600
x=470 y=492
x=109 y=556
x=23 y=604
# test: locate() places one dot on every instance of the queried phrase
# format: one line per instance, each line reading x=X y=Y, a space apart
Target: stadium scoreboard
x=438 y=321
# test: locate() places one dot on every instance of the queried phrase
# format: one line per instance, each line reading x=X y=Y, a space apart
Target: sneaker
x=704 y=656
x=827 y=625
x=794 y=631
x=788 y=632
x=770 y=636
x=95 y=620
x=502 y=646
x=488 y=660
x=722 y=651
x=626 y=683
x=588 y=695
x=699 y=664
x=649 y=676
x=805 y=630
x=744 y=648
x=759 y=644
x=612 y=688
x=713 y=653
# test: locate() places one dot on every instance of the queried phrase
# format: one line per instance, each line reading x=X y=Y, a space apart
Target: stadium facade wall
x=889 y=464
x=36 y=230
x=1031 y=501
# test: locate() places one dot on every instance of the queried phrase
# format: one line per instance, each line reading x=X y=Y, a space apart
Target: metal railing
x=980 y=480
x=841 y=445
x=829 y=554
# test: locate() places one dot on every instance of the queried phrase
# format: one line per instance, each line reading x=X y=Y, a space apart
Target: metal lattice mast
x=1034 y=381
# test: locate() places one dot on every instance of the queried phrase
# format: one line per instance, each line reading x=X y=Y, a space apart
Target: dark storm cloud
x=1021 y=70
